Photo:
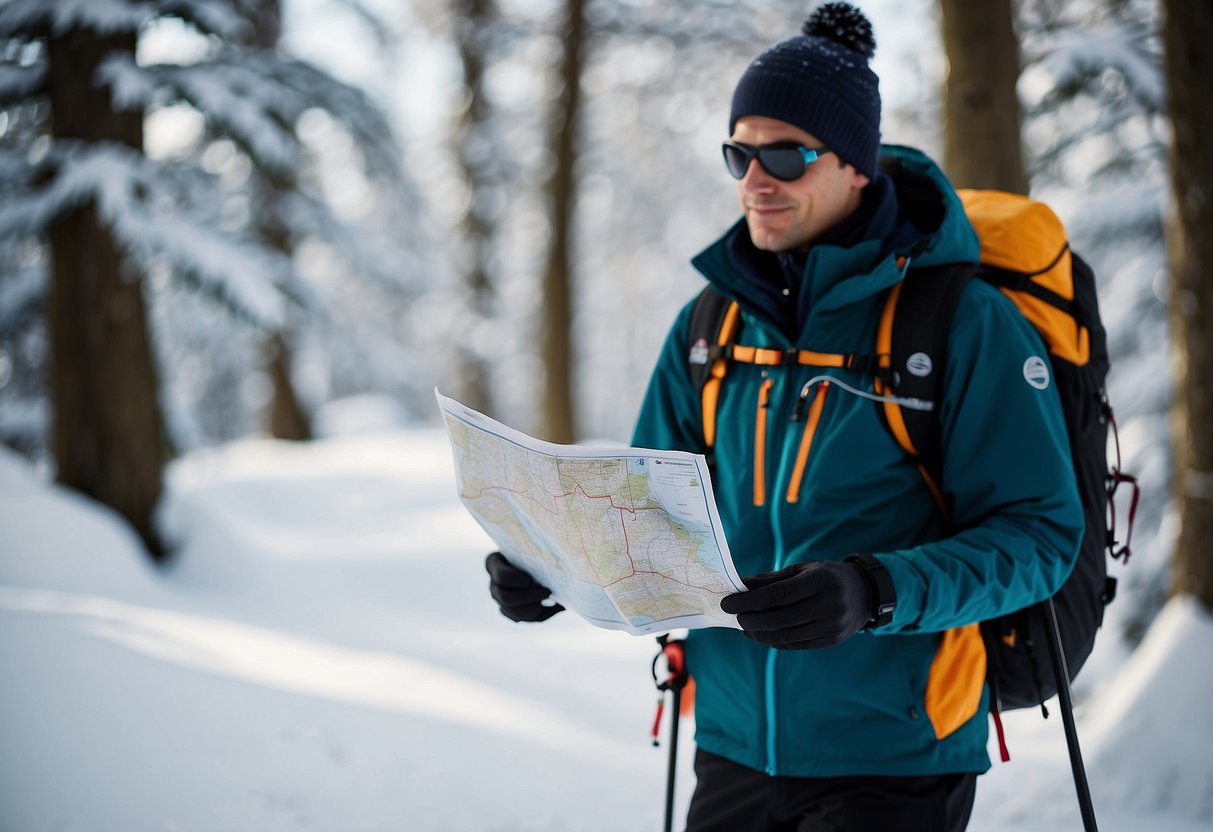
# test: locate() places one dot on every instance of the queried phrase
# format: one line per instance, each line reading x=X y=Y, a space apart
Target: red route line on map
x=627 y=543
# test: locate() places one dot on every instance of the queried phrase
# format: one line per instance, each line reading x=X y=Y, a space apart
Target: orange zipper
x=806 y=441
x=760 y=443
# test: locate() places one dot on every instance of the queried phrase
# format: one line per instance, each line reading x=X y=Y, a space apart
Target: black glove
x=516 y=592
x=805 y=606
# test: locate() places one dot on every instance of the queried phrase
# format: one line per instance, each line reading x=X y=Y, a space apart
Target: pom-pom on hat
x=820 y=82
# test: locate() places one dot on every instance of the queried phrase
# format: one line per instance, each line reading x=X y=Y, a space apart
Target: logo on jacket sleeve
x=1036 y=372
x=699 y=352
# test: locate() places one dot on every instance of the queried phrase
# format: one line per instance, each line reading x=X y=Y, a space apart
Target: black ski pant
x=733 y=798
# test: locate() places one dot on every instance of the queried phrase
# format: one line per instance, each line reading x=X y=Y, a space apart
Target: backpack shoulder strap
x=914 y=334
x=707 y=317
x=713 y=323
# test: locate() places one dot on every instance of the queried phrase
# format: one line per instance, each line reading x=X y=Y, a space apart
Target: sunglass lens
x=736 y=160
x=785 y=163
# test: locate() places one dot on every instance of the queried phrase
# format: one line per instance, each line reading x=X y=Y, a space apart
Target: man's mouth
x=768 y=211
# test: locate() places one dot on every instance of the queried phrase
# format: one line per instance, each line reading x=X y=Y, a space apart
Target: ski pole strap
x=672 y=650
x=657 y=719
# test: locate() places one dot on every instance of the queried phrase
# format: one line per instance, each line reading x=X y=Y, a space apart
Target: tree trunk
x=1187 y=33
x=108 y=433
x=981 y=107
x=473 y=22
x=285 y=417
x=557 y=412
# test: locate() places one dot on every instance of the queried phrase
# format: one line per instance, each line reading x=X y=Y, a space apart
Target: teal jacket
x=906 y=698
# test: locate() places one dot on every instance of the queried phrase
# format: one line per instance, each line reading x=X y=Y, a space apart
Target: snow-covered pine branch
x=16 y=173
x=255 y=111
x=348 y=105
x=228 y=20
x=36 y=18
x=225 y=19
x=22 y=289
x=153 y=223
x=20 y=82
x=255 y=97
x=1077 y=57
x=376 y=253
x=1128 y=210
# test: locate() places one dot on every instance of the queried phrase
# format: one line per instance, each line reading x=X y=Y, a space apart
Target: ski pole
x=673 y=765
x=1062 y=675
x=675 y=681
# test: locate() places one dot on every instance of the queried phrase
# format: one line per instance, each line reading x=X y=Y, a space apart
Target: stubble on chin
x=766 y=237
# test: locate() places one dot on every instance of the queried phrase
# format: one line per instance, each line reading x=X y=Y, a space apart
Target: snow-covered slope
x=323 y=655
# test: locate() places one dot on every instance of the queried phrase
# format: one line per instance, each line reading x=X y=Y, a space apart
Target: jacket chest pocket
x=769 y=445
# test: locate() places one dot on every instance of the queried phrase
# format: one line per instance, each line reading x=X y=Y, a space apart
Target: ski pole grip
x=673 y=651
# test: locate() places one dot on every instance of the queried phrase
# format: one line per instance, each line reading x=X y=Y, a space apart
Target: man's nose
x=756 y=178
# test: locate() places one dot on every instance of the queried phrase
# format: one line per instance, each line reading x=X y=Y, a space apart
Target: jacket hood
x=929 y=201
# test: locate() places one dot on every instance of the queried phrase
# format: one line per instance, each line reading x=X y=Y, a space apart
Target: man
x=853 y=697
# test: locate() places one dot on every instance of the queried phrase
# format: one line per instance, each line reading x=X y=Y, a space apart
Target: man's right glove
x=518 y=595
x=805 y=606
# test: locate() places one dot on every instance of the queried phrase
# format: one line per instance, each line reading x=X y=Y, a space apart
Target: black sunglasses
x=786 y=161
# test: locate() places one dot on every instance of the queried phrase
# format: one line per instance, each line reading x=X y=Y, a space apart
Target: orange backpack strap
x=714 y=321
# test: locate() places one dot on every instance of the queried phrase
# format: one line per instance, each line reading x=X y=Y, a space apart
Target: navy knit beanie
x=820 y=82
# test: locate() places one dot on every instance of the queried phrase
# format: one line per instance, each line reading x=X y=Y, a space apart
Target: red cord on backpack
x=1115 y=478
x=1003 y=751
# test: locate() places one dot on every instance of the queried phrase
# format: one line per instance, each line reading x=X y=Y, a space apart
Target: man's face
x=785 y=216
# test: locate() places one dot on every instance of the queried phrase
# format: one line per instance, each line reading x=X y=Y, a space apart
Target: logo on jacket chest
x=919 y=365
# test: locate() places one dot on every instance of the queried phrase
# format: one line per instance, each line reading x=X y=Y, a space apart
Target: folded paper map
x=629 y=538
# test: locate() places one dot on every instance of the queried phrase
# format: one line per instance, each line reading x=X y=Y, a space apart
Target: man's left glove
x=805 y=606
x=519 y=596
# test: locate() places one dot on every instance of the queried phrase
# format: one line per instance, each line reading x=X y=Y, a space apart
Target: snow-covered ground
x=323 y=655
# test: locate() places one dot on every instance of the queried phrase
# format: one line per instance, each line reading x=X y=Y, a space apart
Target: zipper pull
x=798 y=411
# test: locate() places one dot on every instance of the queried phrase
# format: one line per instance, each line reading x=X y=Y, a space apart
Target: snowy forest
x=243 y=241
